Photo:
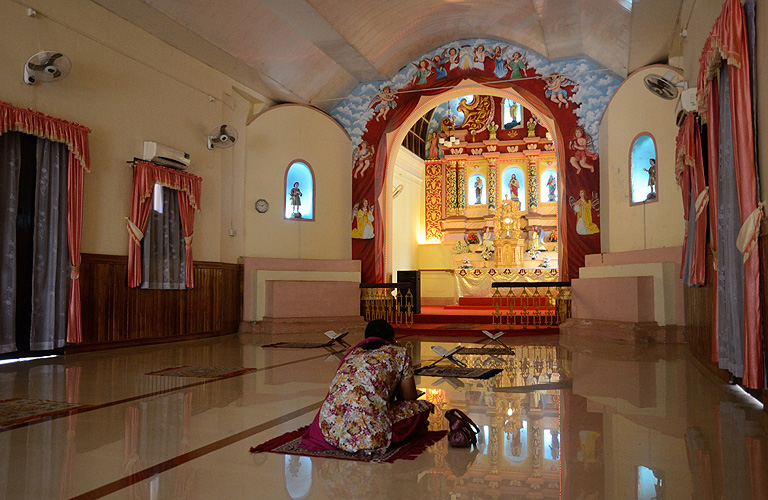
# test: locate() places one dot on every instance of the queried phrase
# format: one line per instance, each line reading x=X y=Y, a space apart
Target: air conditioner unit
x=165 y=155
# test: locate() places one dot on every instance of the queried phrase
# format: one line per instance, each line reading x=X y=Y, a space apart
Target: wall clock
x=262 y=205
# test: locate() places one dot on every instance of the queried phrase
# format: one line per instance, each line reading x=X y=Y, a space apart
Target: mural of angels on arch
x=574 y=93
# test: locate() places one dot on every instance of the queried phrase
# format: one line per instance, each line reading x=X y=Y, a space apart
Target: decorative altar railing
x=531 y=304
x=390 y=301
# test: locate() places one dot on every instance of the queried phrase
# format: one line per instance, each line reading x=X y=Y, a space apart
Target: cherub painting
x=362 y=156
x=583 y=207
x=382 y=102
x=581 y=145
x=555 y=88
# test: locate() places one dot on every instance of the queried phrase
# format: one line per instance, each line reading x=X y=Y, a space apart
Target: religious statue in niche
x=514 y=186
x=295 y=195
x=433 y=146
x=581 y=145
x=362 y=221
x=554 y=88
x=651 y=178
x=552 y=187
x=478 y=190
x=583 y=207
x=361 y=157
x=382 y=102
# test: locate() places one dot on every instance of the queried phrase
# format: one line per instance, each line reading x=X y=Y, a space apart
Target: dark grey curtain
x=730 y=276
x=10 y=164
x=162 y=248
x=50 y=275
x=50 y=255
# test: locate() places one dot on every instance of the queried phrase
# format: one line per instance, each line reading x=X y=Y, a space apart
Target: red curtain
x=145 y=176
x=728 y=41
x=689 y=168
x=75 y=136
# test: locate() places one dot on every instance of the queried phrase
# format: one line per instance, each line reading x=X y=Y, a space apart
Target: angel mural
x=518 y=66
x=499 y=63
x=477 y=114
x=439 y=63
x=382 y=102
x=478 y=58
x=361 y=157
x=423 y=70
x=581 y=145
x=582 y=207
x=362 y=221
x=555 y=90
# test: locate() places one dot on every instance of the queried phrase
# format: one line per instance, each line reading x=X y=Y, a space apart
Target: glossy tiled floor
x=566 y=419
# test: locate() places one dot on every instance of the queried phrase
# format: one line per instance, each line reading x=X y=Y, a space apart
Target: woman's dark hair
x=381 y=329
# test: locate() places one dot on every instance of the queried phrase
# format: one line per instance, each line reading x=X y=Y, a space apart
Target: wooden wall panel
x=114 y=314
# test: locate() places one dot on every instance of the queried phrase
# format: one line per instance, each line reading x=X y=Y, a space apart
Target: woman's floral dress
x=358 y=413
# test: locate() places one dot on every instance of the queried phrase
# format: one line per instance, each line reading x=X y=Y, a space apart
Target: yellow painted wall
x=276 y=138
x=128 y=87
x=634 y=110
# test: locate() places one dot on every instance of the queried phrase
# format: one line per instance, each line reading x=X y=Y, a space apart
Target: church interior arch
x=396 y=137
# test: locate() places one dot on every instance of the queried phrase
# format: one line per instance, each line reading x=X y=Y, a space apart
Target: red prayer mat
x=17 y=411
x=290 y=444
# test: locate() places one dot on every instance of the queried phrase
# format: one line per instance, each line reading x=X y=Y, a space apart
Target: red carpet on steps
x=470 y=317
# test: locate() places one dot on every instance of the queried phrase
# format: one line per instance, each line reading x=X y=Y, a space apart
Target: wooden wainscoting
x=698 y=319
x=113 y=314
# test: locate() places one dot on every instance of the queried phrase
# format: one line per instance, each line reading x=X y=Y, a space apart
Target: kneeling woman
x=372 y=400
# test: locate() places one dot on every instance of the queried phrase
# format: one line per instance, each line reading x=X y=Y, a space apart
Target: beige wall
x=128 y=87
x=406 y=224
x=634 y=110
x=316 y=139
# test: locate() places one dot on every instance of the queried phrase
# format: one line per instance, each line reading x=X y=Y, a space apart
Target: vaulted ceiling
x=316 y=51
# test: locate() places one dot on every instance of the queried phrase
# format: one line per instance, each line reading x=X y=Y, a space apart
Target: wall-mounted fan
x=46 y=66
x=222 y=137
x=663 y=86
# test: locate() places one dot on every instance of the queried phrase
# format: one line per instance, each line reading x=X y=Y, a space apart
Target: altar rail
x=531 y=304
x=390 y=301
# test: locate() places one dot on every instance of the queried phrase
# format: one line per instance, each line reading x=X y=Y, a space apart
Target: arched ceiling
x=316 y=51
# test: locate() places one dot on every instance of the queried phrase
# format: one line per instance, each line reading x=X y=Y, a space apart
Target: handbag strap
x=460 y=415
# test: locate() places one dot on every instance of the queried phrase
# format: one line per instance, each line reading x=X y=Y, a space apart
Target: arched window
x=299 y=192
x=476 y=194
x=642 y=170
x=513 y=179
x=512 y=113
x=548 y=186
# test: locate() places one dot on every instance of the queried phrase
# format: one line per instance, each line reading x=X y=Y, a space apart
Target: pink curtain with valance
x=75 y=136
x=145 y=176
x=689 y=170
x=728 y=41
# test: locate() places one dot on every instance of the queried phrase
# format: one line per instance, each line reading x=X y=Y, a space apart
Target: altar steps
x=470 y=320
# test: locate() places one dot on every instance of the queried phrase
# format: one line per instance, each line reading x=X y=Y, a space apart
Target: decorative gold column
x=492 y=171
x=461 y=188
x=433 y=196
x=533 y=182
x=450 y=189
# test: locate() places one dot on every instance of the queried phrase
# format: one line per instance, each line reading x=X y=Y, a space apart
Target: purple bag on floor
x=462 y=432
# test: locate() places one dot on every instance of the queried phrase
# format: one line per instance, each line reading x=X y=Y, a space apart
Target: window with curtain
x=162 y=248
x=299 y=192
